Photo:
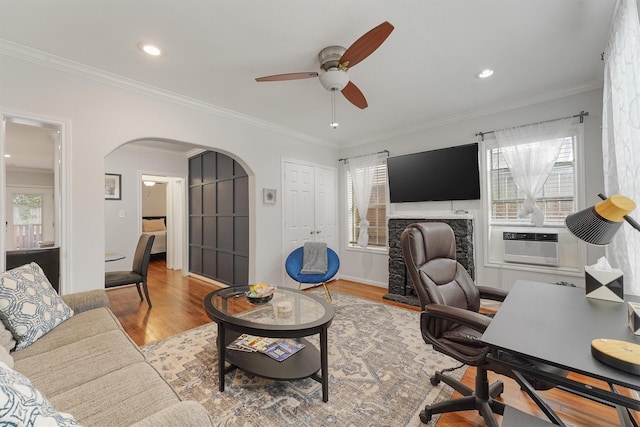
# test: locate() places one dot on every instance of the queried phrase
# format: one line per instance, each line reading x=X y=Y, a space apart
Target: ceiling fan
x=336 y=60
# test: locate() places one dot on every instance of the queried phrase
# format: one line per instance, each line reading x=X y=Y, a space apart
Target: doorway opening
x=162 y=201
x=31 y=173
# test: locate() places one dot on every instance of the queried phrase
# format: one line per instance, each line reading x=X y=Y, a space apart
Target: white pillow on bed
x=151 y=225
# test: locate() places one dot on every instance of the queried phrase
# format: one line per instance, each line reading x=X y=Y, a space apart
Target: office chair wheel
x=425 y=416
x=434 y=380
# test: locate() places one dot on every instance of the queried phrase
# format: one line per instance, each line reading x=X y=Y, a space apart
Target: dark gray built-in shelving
x=218 y=218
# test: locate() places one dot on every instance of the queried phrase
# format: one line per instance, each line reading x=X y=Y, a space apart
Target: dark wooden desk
x=555 y=325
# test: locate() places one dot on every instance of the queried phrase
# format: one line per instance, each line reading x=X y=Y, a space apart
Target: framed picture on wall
x=268 y=196
x=112 y=186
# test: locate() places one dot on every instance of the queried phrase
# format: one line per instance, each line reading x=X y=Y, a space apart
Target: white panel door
x=325 y=206
x=310 y=208
x=298 y=205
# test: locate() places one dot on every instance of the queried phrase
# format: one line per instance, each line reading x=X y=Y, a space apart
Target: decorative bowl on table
x=260 y=293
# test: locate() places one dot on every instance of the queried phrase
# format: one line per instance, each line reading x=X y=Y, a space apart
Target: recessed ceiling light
x=150 y=49
x=7 y=155
x=485 y=73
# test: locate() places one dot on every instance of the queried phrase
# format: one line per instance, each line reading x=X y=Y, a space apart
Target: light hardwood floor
x=177 y=307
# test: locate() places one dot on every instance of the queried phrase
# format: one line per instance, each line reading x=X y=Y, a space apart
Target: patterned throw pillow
x=21 y=404
x=29 y=306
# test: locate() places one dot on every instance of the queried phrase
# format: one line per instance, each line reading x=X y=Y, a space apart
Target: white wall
x=100 y=116
x=122 y=232
x=27 y=177
x=373 y=268
x=154 y=199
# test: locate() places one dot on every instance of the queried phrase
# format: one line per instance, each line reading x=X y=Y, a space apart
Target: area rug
x=379 y=369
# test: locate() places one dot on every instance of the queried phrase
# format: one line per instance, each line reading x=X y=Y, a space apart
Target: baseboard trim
x=208 y=280
x=365 y=281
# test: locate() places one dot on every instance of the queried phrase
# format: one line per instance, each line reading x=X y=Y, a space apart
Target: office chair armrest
x=494 y=294
x=473 y=320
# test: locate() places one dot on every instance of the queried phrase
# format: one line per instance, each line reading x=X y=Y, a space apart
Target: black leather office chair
x=138 y=273
x=452 y=324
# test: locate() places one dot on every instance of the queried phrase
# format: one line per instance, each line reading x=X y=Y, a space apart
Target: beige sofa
x=90 y=368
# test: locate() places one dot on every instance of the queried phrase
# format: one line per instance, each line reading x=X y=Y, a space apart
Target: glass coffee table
x=289 y=314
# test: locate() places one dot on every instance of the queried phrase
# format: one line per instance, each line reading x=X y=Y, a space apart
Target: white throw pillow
x=29 y=306
x=21 y=404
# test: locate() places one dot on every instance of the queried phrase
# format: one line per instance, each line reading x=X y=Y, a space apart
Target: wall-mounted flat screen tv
x=438 y=175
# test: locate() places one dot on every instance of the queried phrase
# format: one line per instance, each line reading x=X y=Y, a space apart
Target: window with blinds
x=376 y=214
x=556 y=199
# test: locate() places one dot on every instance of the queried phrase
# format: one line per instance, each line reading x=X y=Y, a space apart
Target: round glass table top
x=287 y=307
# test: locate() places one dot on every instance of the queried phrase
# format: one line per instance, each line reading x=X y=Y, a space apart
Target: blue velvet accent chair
x=293 y=265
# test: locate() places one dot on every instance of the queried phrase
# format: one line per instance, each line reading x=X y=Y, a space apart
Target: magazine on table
x=283 y=348
x=276 y=348
x=251 y=343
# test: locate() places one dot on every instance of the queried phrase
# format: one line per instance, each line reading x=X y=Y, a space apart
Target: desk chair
x=293 y=265
x=138 y=273
x=451 y=323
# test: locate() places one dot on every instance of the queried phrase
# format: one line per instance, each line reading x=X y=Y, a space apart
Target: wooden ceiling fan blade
x=287 y=76
x=354 y=96
x=366 y=45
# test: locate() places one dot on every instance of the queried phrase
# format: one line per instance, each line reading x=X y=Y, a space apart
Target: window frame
x=493 y=241
x=349 y=206
x=578 y=173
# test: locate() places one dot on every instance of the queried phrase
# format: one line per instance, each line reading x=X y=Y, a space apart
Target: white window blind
x=376 y=214
x=556 y=199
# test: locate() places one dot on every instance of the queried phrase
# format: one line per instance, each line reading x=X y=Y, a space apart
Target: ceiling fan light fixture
x=149 y=183
x=334 y=79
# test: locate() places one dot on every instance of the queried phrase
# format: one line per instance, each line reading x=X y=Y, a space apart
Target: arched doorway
x=216 y=259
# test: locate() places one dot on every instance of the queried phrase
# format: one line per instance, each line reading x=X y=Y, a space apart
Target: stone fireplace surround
x=400 y=286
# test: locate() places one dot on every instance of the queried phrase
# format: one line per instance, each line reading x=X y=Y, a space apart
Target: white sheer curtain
x=621 y=132
x=530 y=152
x=362 y=170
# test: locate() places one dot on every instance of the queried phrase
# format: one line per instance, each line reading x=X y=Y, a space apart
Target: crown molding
x=469 y=115
x=133 y=146
x=30 y=170
x=42 y=58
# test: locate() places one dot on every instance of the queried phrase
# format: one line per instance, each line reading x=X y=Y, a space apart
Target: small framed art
x=112 y=186
x=268 y=196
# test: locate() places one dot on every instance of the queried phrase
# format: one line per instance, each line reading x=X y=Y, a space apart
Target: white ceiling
x=423 y=74
x=31 y=146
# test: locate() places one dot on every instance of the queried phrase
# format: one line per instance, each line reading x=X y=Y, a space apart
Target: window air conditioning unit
x=531 y=248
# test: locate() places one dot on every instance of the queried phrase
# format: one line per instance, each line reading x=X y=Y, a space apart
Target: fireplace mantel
x=417 y=215
x=400 y=286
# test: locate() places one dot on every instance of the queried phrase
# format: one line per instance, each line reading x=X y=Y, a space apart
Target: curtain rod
x=362 y=155
x=582 y=115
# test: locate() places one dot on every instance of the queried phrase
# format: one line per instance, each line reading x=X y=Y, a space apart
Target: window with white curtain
x=376 y=214
x=556 y=199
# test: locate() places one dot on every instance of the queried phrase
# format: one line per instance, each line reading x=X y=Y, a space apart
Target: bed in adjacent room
x=156 y=225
